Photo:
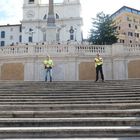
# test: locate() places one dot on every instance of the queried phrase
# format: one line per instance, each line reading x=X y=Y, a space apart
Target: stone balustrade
x=72 y=49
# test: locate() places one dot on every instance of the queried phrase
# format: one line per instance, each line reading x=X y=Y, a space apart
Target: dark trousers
x=48 y=71
x=99 y=69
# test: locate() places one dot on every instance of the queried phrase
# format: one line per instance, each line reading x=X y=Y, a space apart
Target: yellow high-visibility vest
x=98 y=61
x=48 y=63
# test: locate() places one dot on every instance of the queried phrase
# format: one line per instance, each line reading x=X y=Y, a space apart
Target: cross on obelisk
x=51 y=27
x=51 y=18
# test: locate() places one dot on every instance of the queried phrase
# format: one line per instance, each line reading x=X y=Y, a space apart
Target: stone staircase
x=81 y=109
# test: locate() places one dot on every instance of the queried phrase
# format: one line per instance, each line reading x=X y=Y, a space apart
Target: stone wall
x=71 y=62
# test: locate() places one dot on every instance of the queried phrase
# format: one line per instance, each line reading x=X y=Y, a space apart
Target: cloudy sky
x=11 y=10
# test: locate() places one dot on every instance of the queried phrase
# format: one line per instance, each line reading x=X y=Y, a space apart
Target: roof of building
x=9 y=25
x=125 y=9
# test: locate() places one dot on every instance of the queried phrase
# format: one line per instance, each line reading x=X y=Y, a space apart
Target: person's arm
x=52 y=63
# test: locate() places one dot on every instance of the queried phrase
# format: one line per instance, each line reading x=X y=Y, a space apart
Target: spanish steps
x=70 y=109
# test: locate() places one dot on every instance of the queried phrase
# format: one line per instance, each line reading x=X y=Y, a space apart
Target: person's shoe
x=103 y=81
x=95 y=81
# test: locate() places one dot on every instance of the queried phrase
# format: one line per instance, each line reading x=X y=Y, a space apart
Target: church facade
x=33 y=27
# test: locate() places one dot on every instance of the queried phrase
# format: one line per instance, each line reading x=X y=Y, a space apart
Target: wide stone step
x=74 y=99
x=51 y=107
x=68 y=102
x=69 y=94
x=68 y=132
x=95 y=138
x=59 y=122
x=70 y=113
x=70 y=90
x=65 y=96
x=80 y=109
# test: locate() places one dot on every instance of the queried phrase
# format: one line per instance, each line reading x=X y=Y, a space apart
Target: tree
x=104 y=31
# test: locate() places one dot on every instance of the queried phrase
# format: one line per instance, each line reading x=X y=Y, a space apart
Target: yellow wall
x=12 y=71
x=134 y=69
x=87 y=71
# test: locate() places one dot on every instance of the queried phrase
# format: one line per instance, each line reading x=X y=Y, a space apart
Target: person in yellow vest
x=98 y=66
x=48 y=64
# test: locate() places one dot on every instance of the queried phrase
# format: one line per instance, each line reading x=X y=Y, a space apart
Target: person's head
x=48 y=57
x=98 y=55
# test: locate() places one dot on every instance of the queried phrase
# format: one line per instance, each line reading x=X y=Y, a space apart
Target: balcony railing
x=58 y=49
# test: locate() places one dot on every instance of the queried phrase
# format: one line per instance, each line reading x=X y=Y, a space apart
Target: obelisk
x=51 y=18
x=51 y=27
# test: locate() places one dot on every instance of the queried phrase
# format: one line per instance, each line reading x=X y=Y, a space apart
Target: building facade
x=33 y=27
x=128 y=22
x=10 y=34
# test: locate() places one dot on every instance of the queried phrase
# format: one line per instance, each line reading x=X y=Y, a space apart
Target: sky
x=11 y=10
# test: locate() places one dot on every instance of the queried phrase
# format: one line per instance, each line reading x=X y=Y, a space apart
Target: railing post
x=31 y=50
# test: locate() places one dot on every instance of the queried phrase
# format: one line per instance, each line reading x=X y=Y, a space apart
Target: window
x=130 y=41
x=130 y=34
x=127 y=9
x=128 y=19
x=31 y=1
x=137 y=35
x=30 y=39
x=3 y=34
x=2 y=43
x=20 y=38
x=71 y=37
x=129 y=25
x=135 y=11
x=136 y=27
x=121 y=41
x=134 y=20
